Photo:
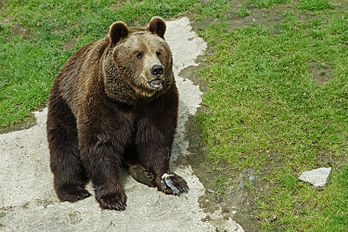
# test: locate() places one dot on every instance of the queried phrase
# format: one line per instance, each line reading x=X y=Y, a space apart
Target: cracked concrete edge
x=28 y=201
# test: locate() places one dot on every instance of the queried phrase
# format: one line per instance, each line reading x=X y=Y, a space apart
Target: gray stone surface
x=28 y=201
x=317 y=177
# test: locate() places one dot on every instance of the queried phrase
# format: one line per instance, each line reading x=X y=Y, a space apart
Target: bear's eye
x=140 y=55
x=158 y=53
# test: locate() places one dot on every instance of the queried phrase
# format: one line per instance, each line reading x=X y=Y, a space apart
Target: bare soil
x=321 y=72
x=2 y=2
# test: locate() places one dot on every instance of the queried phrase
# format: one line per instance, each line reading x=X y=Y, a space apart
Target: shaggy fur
x=108 y=108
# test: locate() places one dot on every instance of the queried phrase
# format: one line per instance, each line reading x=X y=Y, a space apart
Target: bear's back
x=75 y=74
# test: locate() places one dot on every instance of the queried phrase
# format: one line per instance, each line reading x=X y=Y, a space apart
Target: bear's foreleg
x=102 y=162
x=154 y=146
x=69 y=175
x=157 y=160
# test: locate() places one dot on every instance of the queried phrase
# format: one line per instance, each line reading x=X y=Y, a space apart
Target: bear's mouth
x=155 y=84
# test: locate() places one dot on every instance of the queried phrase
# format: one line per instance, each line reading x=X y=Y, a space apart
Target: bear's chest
x=123 y=117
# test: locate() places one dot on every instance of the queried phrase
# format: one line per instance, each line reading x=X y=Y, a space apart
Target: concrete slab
x=28 y=201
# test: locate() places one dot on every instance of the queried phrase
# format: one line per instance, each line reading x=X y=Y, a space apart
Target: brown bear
x=115 y=104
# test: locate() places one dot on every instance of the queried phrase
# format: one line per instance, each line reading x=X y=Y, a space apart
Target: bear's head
x=138 y=62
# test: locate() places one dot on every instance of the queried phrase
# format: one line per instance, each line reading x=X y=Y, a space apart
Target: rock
x=317 y=177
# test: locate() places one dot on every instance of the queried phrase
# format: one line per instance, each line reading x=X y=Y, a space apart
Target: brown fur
x=104 y=112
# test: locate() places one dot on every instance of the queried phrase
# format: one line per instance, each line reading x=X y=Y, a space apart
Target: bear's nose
x=157 y=70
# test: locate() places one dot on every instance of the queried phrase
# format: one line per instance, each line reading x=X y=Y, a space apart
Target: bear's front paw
x=170 y=183
x=72 y=193
x=112 y=200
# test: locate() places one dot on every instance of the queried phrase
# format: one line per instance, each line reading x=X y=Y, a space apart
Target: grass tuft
x=243 y=12
x=314 y=5
x=264 y=3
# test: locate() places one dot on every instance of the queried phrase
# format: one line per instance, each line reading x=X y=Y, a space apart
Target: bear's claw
x=173 y=184
x=112 y=201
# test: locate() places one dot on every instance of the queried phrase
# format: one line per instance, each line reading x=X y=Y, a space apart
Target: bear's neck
x=115 y=87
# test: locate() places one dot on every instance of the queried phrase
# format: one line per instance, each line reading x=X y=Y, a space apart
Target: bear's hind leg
x=69 y=175
x=136 y=170
x=140 y=173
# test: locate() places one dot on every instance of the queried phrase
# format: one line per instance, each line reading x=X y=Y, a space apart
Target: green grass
x=30 y=60
x=264 y=3
x=211 y=8
x=243 y=12
x=265 y=110
x=314 y=5
x=220 y=184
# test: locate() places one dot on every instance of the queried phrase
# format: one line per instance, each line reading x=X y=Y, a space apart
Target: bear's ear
x=118 y=31
x=157 y=26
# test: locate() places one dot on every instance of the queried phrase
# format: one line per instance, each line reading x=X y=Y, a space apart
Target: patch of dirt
x=264 y=16
x=119 y=3
x=66 y=30
x=27 y=123
x=19 y=29
x=74 y=217
x=43 y=203
x=321 y=72
x=70 y=44
x=3 y=2
x=257 y=16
